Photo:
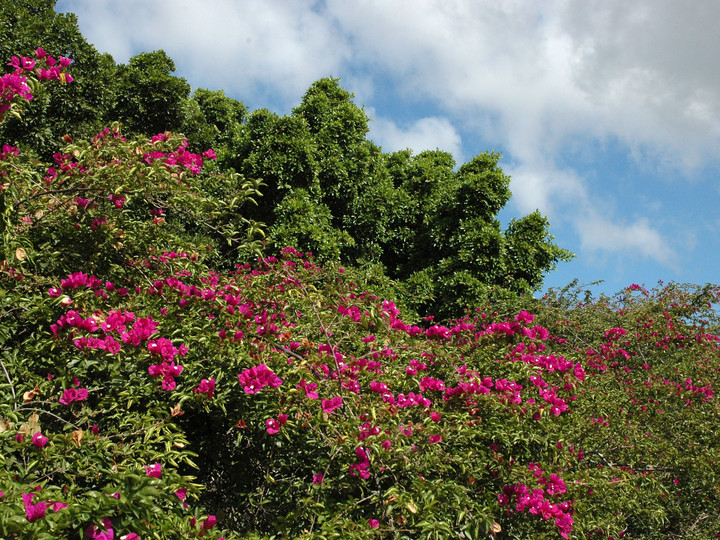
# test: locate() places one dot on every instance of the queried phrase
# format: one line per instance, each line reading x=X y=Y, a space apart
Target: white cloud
x=543 y=187
x=424 y=134
x=249 y=48
x=637 y=238
x=639 y=71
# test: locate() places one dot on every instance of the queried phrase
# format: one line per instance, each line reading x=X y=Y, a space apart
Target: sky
x=607 y=112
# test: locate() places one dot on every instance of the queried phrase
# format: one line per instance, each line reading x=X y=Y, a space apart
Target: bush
x=150 y=388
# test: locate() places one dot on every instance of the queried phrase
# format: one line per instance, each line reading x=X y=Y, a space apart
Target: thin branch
x=7 y=376
x=53 y=192
x=49 y=413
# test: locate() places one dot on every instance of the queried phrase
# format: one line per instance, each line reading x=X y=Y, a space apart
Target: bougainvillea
x=152 y=389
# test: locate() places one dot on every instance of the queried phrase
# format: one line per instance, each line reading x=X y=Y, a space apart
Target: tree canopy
x=428 y=224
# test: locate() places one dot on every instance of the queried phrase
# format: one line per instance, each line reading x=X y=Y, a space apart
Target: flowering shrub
x=18 y=87
x=153 y=389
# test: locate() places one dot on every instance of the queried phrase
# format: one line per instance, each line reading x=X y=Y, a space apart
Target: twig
x=7 y=376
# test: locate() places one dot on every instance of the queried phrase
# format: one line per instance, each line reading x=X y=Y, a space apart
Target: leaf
x=176 y=411
x=77 y=436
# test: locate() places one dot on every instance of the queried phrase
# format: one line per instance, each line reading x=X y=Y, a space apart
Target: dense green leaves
x=431 y=226
x=156 y=384
x=152 y=98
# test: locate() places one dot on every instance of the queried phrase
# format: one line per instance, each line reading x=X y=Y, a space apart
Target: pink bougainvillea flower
x=154 y=471
x=207 y=387
x=435 y=439
x=374 y=523
x=310 y=389
x=33 y=511
x=318 y=478
x=208 y=523
x=256 y=378
x=73 y=394
x=272 y=426
x=168 y=372
x=329 y=405
x=57 y=506
x=97 y=534
x=39 y=440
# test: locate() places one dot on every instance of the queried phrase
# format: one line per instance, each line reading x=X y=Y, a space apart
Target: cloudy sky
x=607 y=112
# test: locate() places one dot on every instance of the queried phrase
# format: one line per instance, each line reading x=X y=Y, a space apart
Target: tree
x=433 y=228
x=153 y=100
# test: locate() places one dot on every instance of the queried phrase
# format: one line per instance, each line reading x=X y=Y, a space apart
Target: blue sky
x=607 y=112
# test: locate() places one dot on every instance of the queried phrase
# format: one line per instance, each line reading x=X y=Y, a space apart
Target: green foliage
x=432 y=227
x=152 y=98
x=113 y=200
x=154 y=392
x=153 y=388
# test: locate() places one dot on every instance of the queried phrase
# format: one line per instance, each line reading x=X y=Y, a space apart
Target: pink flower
x=272 y=426
x=54 y=292
x=168 y=372
x=154 y=471
x=329 y=405
x=310 y=389
x=58 y=506
x=209 y=523
x=374 y=523
x=207 y=387
x=435 y=439
x=39 y=440
x=318 y=478
x=256 y=378
x=33 y=511
x=97 y=534
x=72 y=394
x=524 y=317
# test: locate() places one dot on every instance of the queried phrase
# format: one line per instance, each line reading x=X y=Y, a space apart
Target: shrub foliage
x=151 y=389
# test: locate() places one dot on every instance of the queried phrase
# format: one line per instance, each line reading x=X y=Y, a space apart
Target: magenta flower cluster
x=14 y=84
x=541 y=501
x=180 y=157
x=254 y=379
